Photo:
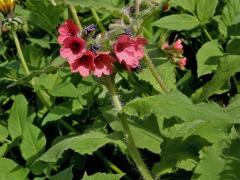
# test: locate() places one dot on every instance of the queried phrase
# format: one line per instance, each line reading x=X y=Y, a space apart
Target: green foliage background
x=192 y=132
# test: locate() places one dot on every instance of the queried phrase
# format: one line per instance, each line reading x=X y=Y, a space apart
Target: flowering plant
x=110 y=89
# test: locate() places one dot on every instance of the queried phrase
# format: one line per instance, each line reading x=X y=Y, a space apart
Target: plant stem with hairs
x=134 y=153
x=75 y=16
x=43 y=96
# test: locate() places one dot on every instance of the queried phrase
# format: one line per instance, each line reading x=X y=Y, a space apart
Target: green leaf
x=210 y=164
x=167 y=72
x=208 y=57
x=177 y=22
x=228 y=66
x=66 y=174
x=33 y=55
x=177 y=105
x=33 y=143
x=65 y=89
x=55 y=85
x=206 y=10
x=3 y=149
x=220 y=161
x=178 y=153
x=3 y=133
x=44 y=15
x=104 y=176
x=57 y=112
x=43 y=42
x=233 y=46
x=109 y=5
x=10 y=170
x=189 y=5
x=18 y=116
x=229 y=14
x=142 y=132
x=234 y=108
x=86 y=143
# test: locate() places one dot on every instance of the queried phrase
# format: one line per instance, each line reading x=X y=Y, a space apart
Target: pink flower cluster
x=128 y=51
x=175 y=52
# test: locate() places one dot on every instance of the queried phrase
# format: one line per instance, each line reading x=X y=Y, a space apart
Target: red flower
x=129 y=50
x=84 y=64
x=177 y=45
x=182 y=63
x=68 y=29
x=103 y=64
x=73 y=48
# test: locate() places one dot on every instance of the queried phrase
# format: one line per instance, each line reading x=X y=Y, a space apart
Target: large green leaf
x=55 y=85
x=86 y=143
x=220 y=161
x=104 y=176
x=3 y=133
x=206 y=10
x=9 y=170
x=177 y=22
x=18 y=116
x=234 y=108
x=33 y=142
x=184 y=155
x=228 y=66
x=177 y=105
x=142 y=132
x=229 y=14
x=210 y=165
x=189 y=5
x=233 y=46
x=66 y=174
x=57 y=112
x=44 y=15
x=208 y=57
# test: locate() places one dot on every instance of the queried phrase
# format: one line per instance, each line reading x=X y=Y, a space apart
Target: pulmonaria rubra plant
x=129 y=50
x=175 y=53
x=86 y=58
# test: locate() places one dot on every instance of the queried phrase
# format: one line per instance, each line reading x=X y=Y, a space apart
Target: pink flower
x=129 y=50
x=67 y=29
x=84 y=64
x=165 y=46
x=103 y=64
x=182 y=62
x=177 y=45
x=73 y=48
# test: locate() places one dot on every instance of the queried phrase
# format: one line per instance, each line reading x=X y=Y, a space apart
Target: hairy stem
x=75 y=16
x=53 y=2
x=97 y=19
x=155 y=73
x=134 y=153
x=137 y=6
x=42 y=95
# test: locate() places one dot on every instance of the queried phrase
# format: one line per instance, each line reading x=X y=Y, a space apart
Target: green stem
x=135 y=154
x=43 y=96
x=75 y=16
x=67 y=126
x=206 y=32
x=155 y=73
x=97 y=19
x=137 y=7
x=53 y=2
x=110 y=164
x=20 y=53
